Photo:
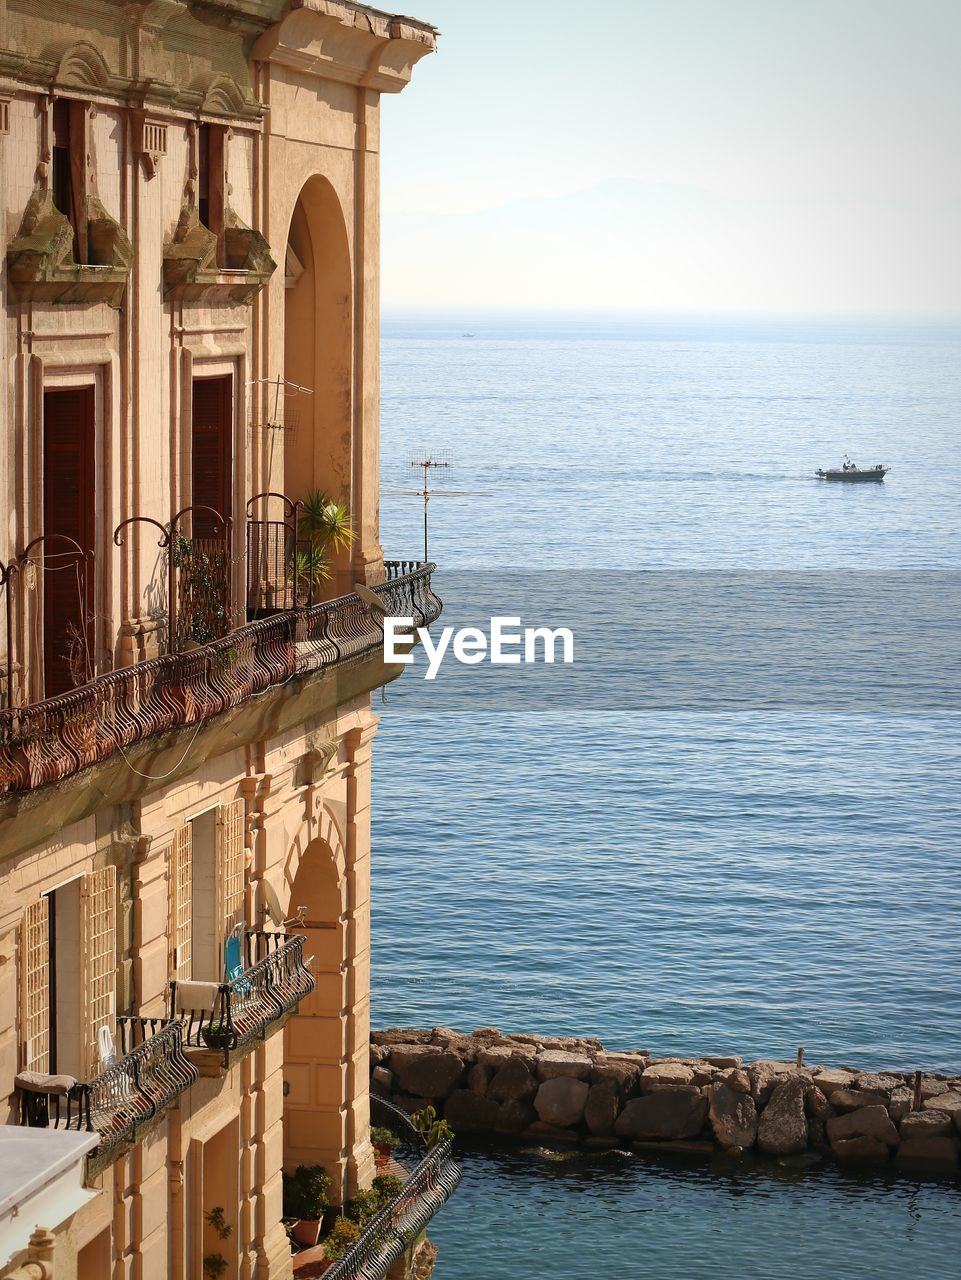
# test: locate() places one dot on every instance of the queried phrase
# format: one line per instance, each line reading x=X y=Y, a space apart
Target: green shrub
x=435 y=1131
x=363 y=1206
x=386 y=1186
x=346 y=1232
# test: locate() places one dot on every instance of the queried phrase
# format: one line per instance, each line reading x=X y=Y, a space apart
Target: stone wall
x=560 y=1088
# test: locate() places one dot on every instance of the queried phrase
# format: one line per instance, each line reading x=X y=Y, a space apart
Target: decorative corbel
x=150 y=140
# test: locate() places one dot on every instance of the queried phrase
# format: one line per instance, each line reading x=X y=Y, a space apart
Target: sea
x=732 y=823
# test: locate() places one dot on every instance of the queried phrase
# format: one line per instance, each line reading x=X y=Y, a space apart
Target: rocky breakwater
x=555 y=1088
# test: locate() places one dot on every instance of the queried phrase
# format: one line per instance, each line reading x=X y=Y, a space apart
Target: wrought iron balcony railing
x=50 y=740
x=241 y=1011
x=393 y=1229
x=151 y=1071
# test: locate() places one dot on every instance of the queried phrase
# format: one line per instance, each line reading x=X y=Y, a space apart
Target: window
x=181 y=901
x=212 y=180
x=35 y=987
x=69 y=521
x=69 y=169
x=206 y=891
x=212 y=454
x=68 y=974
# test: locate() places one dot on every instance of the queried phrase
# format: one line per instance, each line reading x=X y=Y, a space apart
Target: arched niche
x=318 y=343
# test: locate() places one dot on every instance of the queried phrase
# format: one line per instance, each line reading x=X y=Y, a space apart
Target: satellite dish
x=370 y=598
x=272 y=903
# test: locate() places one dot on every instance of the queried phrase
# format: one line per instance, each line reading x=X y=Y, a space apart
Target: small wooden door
x=69 y=509
x=212 y=452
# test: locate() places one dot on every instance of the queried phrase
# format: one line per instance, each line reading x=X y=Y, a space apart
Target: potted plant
x=383 y=1141
x=306 y=1193
x=217 y=1035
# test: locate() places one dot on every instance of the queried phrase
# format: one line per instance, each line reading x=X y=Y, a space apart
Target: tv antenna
x=279 y=417
x=428 y=461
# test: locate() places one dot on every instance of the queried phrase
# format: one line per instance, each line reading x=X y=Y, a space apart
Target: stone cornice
x=215 y=96
x=350 y=43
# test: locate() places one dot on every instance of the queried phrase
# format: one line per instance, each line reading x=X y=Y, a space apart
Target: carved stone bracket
x=41 y=264
x=191 y=266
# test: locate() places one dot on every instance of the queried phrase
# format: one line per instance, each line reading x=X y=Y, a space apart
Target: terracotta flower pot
x=306 y=1231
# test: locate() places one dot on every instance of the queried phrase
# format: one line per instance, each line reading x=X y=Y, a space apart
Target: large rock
x=829 y=1080
x=382 y=1082
x=765 y=1075
x=430 y=1076
x=817 y=1105
x=901 y=1103
x=860 y=1149
x=466 y=1111
x=602 y=1107
x=871 y=1082
x=722 y=1061
x=733 y=1116
x=936 y=1153
x=665 y=1114
x=666 y=1075
x=554 y=1063
x=478 y=1078
x=448 y=1038
x=617 y=1072
x=930 y=1088
x=560 y=1101
x=402 y=1055
x=782 y=1130
x=735 y=1079
x=865 y=1122
x=496 y=1055
x=851 y=1099
x=401 y=1035
x=515 y=1117
x=949 y=1102
x=512 y=1083
x=925 y=1124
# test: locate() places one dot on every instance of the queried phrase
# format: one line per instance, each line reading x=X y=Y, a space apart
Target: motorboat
x=852 y=472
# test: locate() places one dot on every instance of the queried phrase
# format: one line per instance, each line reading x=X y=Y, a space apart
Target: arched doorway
x=318 y=341
x=326 y=1103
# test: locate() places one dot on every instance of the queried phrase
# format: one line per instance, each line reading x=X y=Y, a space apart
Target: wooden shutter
x=211 y=452
x=98 y=959
x=181 y=903
x=69 y=484
x=230 y=864
x=35 y=986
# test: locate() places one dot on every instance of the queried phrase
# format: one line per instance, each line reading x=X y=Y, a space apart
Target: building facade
x=189 y=471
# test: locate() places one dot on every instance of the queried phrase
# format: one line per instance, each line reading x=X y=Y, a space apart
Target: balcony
x=150 y=1073
x=49 y=741
x=230 y=1017
x=427 y=1185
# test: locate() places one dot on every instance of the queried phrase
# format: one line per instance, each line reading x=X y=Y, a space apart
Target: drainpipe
x=360 y=313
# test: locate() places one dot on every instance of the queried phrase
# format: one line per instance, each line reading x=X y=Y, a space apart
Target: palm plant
x=328 y=528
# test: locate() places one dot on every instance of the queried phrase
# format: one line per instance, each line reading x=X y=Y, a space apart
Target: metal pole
x=5 y=571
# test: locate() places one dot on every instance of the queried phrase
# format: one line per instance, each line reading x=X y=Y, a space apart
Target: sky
x=678 y=155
